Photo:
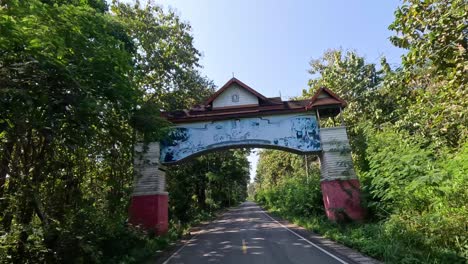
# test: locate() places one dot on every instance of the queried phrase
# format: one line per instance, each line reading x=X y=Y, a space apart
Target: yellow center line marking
x=244 y=247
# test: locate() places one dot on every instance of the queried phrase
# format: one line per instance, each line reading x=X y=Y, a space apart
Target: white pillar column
x=149 y=204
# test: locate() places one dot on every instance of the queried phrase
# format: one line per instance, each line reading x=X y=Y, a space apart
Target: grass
x=385 y=241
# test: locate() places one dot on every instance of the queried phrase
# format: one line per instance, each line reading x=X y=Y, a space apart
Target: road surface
x=247 y=234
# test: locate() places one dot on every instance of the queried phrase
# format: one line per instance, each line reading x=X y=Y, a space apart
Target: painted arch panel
x=293 y=132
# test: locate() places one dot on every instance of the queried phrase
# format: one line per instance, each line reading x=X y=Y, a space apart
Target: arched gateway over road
x=238 y=116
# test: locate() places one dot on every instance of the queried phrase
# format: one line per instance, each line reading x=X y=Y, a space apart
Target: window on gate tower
x=235 y=98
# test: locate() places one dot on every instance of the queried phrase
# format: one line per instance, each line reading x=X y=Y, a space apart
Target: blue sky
x=268 y=44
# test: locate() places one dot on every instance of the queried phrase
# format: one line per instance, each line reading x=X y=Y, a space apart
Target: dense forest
x=80 y=83
x=408 y=131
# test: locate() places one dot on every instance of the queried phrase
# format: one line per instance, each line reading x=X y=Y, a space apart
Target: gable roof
x=203 y=113
x=324 y=100
x=240 y=84
x=330 y=99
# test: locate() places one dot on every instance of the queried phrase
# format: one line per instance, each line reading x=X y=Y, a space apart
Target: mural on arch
x=297 y=132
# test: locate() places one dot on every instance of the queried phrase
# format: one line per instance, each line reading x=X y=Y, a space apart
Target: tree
x=275 y=166
x=166 y=61
x=166 y=65
x=408 y=134
x=71 y=108
x=347 y=74
x=435 y=34
x=66 y=102
x=209 y=182
x=282 y=183
x=358 y=83
x=435 y=68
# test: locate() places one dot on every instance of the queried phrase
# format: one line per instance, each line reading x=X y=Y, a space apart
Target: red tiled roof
x=228 y=84
x=197 y=114
x=333 y=99
x=266 y=106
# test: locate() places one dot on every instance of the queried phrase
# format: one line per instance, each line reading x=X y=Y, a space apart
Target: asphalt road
x=247 y=234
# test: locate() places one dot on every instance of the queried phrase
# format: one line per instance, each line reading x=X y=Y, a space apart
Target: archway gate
x=238 y=116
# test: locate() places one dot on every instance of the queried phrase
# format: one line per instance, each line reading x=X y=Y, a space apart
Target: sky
x=268 y=44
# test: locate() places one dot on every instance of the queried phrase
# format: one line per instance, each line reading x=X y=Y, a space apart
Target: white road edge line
x=313 y=244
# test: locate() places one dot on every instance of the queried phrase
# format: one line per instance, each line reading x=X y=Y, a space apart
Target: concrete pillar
x=340 y=186
x=149 y=204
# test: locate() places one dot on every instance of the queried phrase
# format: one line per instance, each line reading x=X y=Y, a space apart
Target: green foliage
x=81 y=84
x=282 y=183
x=76 y=94
x=396 y=164
x=421 y=194
x=390 y=242
x=167 y=62
x=417 y=201
x=208 y=183
x=147 y=120
x=66 y=144
x=435 y=34
x=276 y=166
x=357 y=82
x=294 y=196
x=251 y=191
x=408 y=133
x=435 y=69
x=353 y=79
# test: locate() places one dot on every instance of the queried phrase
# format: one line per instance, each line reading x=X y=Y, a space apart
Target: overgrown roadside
x=335 y=246
x=407 y=127
x=374 y=239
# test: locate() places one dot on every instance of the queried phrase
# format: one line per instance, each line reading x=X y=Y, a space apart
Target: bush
x=417 y=195
x=420 y=193
x=294 y=196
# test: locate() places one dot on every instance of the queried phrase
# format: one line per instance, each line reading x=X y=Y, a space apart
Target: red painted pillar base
x=150 y=212
x=342 y=200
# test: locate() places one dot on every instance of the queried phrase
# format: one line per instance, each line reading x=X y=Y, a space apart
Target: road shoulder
x=347 y=254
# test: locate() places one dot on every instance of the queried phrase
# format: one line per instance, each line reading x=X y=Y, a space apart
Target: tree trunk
x=24 y=218
x=201 y=195
x=4 y=166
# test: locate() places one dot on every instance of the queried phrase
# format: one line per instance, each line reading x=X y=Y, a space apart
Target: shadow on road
x=247 y=235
